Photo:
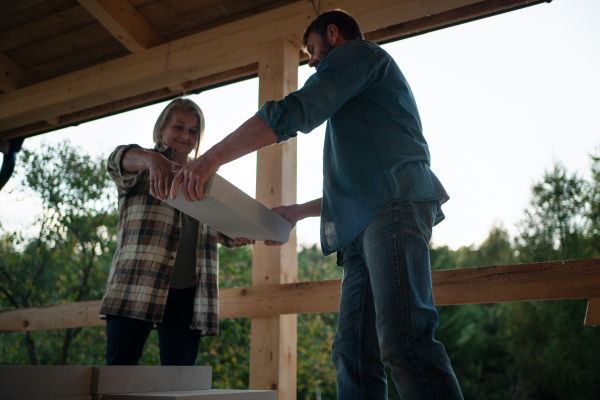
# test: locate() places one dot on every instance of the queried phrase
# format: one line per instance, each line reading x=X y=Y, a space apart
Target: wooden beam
x=273 y=339
x=124 y=22
x=12 y=76
x=245 y=302
x=134 y=101
x=553 y=280
x=557 y=280
x=213 y=51
x=444 y=19
x=592 y=315
x=61 y=316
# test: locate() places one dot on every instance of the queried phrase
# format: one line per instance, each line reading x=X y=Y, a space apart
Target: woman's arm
x=297 y=212
x=161 y=169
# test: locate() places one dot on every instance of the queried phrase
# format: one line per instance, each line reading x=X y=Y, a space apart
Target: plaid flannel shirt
x=147 y=241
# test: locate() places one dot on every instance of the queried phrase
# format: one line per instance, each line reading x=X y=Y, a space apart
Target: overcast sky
x=501 y=100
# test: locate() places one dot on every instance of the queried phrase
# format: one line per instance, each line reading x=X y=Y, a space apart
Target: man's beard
x=326 y=48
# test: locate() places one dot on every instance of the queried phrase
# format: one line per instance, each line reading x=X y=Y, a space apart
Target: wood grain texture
x=592 y=315
x=273 y=340
x=560 y=280
x=109 y=77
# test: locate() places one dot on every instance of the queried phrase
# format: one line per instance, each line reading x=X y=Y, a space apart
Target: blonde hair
x=180 y=103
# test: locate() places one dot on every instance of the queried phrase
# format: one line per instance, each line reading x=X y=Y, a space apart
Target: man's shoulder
x=362 y=48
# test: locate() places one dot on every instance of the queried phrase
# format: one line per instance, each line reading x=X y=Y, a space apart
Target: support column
x=273 y=343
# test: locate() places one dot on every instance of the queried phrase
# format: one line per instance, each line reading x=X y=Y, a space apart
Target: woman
x=165 y=269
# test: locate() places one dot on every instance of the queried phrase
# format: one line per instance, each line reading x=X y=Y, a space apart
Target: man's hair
x=345 y=23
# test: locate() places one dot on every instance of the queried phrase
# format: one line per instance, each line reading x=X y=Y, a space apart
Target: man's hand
x=252 y=135
x=192 y=178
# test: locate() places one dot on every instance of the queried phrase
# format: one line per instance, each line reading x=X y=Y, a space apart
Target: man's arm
x=252 y=135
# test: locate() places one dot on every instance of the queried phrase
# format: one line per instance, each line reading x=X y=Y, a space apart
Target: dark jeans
x=387 y=314
x=126 y=337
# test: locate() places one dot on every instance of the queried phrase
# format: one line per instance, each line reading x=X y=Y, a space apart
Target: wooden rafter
x=12 y=76
x=123 y=21
x=171 y=66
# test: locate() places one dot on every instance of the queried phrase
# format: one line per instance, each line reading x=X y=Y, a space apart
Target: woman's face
x=181 y=132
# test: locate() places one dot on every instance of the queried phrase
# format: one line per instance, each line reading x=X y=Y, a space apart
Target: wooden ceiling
x=63 y=62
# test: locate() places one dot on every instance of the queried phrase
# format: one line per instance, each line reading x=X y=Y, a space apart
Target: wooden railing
x=557 y=280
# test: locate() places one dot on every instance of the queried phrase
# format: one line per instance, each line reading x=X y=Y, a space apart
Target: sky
x=501 y=100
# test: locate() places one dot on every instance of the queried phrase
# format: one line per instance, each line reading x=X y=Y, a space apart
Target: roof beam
x=214 y=51
x=123 y=21
x=12 y=76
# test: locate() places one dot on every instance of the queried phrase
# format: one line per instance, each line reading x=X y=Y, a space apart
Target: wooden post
x=592 y=315
x=273 y=343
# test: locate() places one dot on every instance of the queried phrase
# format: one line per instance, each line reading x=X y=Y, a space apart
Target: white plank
x=233 y=213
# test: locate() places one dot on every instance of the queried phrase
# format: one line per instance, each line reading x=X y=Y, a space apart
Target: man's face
x=317 y=48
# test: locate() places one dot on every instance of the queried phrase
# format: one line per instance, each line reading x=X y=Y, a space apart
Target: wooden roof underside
x=63 y=62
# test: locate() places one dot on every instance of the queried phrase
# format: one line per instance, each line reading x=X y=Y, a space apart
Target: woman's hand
x=290 y=213
x=161 y=175
x=244 y=241
x=295 y=213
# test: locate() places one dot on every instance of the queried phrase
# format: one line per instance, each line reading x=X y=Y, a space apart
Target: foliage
x=592 y=200
x=69 y=258
x=229 y=353
x=315 y=331
x=472 y=333
x=528 y=350
x=554 y=225
x=524 y=351
x=548 y=341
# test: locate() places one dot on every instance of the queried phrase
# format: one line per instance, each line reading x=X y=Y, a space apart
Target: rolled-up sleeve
x=123 y=179
x=344 y=73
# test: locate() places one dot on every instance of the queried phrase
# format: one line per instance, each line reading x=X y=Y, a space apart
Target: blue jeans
x=126 y=337
x=387 y=314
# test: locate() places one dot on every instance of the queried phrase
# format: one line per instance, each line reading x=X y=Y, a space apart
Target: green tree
x=554 y=225
x=69 y=257
x=592 y=199
x=316 y=372
x=472 y=333
x=556 y=354
x=229 y=353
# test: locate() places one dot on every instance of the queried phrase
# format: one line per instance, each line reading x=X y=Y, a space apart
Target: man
x=380 y=202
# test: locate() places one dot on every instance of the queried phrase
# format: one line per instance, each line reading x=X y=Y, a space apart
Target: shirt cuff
x=271 y=112
x=122 y=178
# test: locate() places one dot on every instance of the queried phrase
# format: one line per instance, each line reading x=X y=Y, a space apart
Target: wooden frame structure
x=264 y=44
x=156 y=69
x=273 y=307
